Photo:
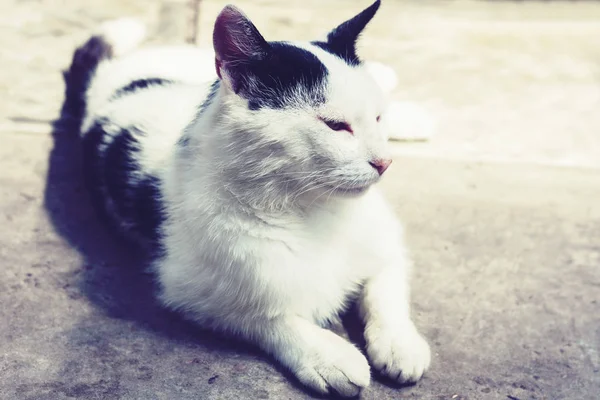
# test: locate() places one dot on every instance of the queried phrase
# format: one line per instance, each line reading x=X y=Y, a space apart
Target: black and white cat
x=255 y=191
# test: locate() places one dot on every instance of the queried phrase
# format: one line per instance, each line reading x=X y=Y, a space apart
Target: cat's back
x=148 y=67
x=136 y=113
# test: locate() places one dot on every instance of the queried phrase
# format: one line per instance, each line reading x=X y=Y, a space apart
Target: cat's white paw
x=335 y=366
x=400 y=354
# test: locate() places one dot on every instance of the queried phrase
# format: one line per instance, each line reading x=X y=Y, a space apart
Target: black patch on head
x=267 y=74
x=122 y=192
x=140 y=84
x=274 y=81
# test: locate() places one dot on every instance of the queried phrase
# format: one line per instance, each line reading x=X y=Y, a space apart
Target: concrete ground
x=502 y=209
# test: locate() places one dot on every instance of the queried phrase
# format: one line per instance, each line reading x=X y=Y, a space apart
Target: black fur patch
x=121 y=191
x=183 y=141
x=140 y=84
x=77 y=78
x=211 y=95
x=272 y=82
x=346 y=53
x=342 y=40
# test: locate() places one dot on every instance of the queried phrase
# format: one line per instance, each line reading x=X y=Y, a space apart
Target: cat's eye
x=337 y=125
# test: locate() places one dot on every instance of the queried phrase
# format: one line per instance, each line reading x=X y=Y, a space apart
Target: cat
x=255 y=189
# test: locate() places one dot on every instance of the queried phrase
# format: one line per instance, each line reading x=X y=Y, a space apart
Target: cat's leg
x=319 y=358
x=394 y=346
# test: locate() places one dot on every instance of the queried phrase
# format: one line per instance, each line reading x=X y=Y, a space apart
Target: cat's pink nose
x=381 y=164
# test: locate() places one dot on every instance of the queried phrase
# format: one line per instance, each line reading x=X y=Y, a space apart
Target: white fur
x=272 y=263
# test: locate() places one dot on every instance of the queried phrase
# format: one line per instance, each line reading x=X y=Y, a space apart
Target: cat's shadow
x=114 y=274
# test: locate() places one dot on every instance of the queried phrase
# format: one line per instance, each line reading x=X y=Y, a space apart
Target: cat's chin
x=349 y=192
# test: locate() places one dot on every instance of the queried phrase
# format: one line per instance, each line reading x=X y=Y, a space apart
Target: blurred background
x=506 y=80
x=502 y=206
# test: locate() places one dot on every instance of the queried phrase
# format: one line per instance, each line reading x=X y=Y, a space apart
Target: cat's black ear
x=342 y=40
x=237 y=42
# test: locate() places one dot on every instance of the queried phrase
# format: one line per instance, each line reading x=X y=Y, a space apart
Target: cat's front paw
x=400 y=354
x=335 y=366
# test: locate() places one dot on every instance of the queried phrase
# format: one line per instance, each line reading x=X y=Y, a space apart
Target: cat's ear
x=342 y=40
x=237 y=42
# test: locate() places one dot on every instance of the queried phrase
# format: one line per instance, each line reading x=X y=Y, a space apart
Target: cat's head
x=304 y=116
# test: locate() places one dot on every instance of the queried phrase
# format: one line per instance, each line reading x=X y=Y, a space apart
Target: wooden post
x=194 y=21
x=178 y=20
